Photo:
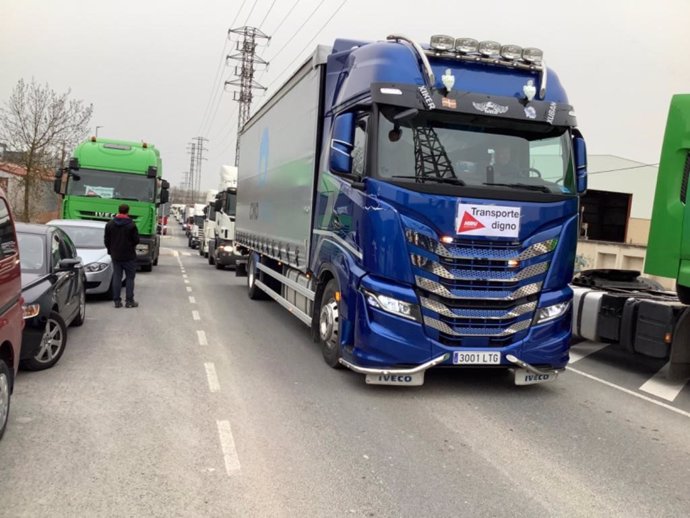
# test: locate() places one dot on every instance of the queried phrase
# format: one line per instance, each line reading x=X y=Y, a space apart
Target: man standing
x=121 y=239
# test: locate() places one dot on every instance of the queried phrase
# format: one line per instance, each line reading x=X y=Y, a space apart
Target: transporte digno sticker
x=487 y=220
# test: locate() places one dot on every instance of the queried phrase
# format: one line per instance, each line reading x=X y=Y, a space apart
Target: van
x=11 y=315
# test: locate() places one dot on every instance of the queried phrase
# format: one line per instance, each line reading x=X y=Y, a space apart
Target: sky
x=154 y=69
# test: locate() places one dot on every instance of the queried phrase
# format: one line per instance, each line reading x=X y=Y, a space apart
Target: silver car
x=87 y=237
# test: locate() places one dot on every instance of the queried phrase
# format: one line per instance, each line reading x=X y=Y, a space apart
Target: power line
x=297 y=31
x=308 y=43
x=250 y=13
x=261 y=23
x=275 y=31
x=216 y=83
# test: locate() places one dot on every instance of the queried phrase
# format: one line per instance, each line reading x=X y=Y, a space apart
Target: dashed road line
x=195 y=315
x=201 y=337
x=227 y=445
x=192 y=300
x=660 y=386
x=631 y=392
x=186 y=281
x=212 y=377
x=189 y=288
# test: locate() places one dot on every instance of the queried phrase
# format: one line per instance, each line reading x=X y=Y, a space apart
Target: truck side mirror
x=152 y=171
x=342 y=138
x=580 y=153
x=57 y=183
x=165 y=196
x=218 y=204
x=165 y=184
x=74 y=164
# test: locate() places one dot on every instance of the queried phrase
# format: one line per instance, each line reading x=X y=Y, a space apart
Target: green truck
x=102 y=174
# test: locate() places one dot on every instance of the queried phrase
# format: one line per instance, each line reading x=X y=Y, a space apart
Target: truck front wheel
x=254 y=292
x=329 y=325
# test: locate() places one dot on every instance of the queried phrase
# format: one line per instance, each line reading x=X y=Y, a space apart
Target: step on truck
x=226 y=252
x=623 y=308
x=104 y=173
x=417 y=206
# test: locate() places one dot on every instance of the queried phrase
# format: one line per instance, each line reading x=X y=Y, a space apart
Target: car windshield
x=85 y=237
x=111 y=185
x=32 y=253
x=424 y=148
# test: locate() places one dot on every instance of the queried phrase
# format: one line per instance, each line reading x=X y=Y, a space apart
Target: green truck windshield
x=107 y=184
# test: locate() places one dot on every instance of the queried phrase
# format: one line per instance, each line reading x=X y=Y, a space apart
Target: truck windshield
x=439 y=148
x=198 y=220
x=230 y=204
x=111 y=185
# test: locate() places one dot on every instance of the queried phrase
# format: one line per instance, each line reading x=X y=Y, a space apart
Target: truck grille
x=478 y=293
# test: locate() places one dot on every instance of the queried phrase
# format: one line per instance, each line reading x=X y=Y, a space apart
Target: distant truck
x=195 y=222
x=209 y=231
x=417 y=206
x=104 y=173
x=226 y=252
x=621 y=307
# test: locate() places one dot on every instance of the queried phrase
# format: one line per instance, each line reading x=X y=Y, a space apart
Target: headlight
x=30 y=310
x=393 y=306
x=95 y=267
x=551 y=312
x=227 y=248
x=142 y=249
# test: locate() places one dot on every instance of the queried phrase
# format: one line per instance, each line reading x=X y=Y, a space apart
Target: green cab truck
x=102 y=174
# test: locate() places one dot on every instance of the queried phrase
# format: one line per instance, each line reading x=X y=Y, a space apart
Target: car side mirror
x=580 y=154
x=342 y=143
x=68 y=264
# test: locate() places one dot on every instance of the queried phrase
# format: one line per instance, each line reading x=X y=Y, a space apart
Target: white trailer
x=207 y=239
x=225 y=252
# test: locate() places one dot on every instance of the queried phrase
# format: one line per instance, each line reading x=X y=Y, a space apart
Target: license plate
x=404 y=380
x=476 y=358
x=525 y=377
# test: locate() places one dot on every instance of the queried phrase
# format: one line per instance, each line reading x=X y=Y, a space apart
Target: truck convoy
x=620 y=307
x=102 y=174
x=226 y=251
x=417 y=206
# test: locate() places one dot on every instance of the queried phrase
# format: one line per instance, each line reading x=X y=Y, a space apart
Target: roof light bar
x=442 y=42
x=490 y=48
x=511 y=52
x=533 y=55
x=466 y=45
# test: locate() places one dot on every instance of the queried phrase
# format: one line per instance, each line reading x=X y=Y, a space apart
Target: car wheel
x=81 y=314
x=52 y=345
x=155 y=261
x=5 y=395
x=329 y=325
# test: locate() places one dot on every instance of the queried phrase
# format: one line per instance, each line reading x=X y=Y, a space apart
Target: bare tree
x=40 y=125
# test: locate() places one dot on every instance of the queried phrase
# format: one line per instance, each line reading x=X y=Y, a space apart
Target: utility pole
x=189 y=176
x=196 y=186
x=246 y=55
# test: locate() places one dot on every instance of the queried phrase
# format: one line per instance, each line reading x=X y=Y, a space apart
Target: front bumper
x=146 y=250
x=99 y=282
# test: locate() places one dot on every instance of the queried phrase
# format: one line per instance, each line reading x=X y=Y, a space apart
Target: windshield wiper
x=525 y=186
x=439 y=179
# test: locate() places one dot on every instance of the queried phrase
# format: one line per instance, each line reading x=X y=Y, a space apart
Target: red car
x=11 y=317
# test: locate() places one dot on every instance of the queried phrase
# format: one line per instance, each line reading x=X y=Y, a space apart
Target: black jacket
x=121 y=238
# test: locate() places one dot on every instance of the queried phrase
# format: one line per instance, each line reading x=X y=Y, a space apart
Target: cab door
x=74 y=277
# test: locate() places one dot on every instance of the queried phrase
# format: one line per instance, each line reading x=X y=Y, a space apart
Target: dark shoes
x=118 y=304
x=131 y=304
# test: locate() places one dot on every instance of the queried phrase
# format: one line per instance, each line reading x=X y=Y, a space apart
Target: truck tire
x=5 y=395
x=147 y=267
x=329 y=325
x=240 y=269
x=155 y=261
x=211 y=258
x=254 y=292
x=683 y=293
x=219 y=266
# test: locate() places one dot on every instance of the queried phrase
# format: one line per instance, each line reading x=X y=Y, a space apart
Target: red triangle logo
x=469 y=223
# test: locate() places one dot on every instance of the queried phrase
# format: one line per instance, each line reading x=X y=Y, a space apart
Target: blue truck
x=417 y=206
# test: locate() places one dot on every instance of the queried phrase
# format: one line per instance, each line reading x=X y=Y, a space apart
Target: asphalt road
x=203 y=403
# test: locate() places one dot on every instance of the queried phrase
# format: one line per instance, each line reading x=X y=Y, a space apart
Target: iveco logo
x=104 y=214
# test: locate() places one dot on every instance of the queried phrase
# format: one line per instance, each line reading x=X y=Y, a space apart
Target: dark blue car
x=54 y=291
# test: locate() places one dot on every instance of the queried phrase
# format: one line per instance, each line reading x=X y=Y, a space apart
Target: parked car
x=54 y=290
x=87 y=237
x=11 y=322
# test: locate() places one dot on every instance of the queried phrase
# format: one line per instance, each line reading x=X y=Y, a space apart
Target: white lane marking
x=660 y=386
x=213 y=384
x=184 y=276
x=192 y=300
x=201 y=336
x=186 y=281
x=227 y=444
x=186 y=253
x=189 y=288
x=584 y=349
x=195 y=315
x=632 y=393
x=176 y=254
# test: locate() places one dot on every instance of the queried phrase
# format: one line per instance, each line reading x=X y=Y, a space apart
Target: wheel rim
x=250 y=275
x=51 y=343
x=4 y=398
x=328 y=324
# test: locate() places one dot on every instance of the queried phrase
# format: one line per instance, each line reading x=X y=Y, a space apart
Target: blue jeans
x=130 y=268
